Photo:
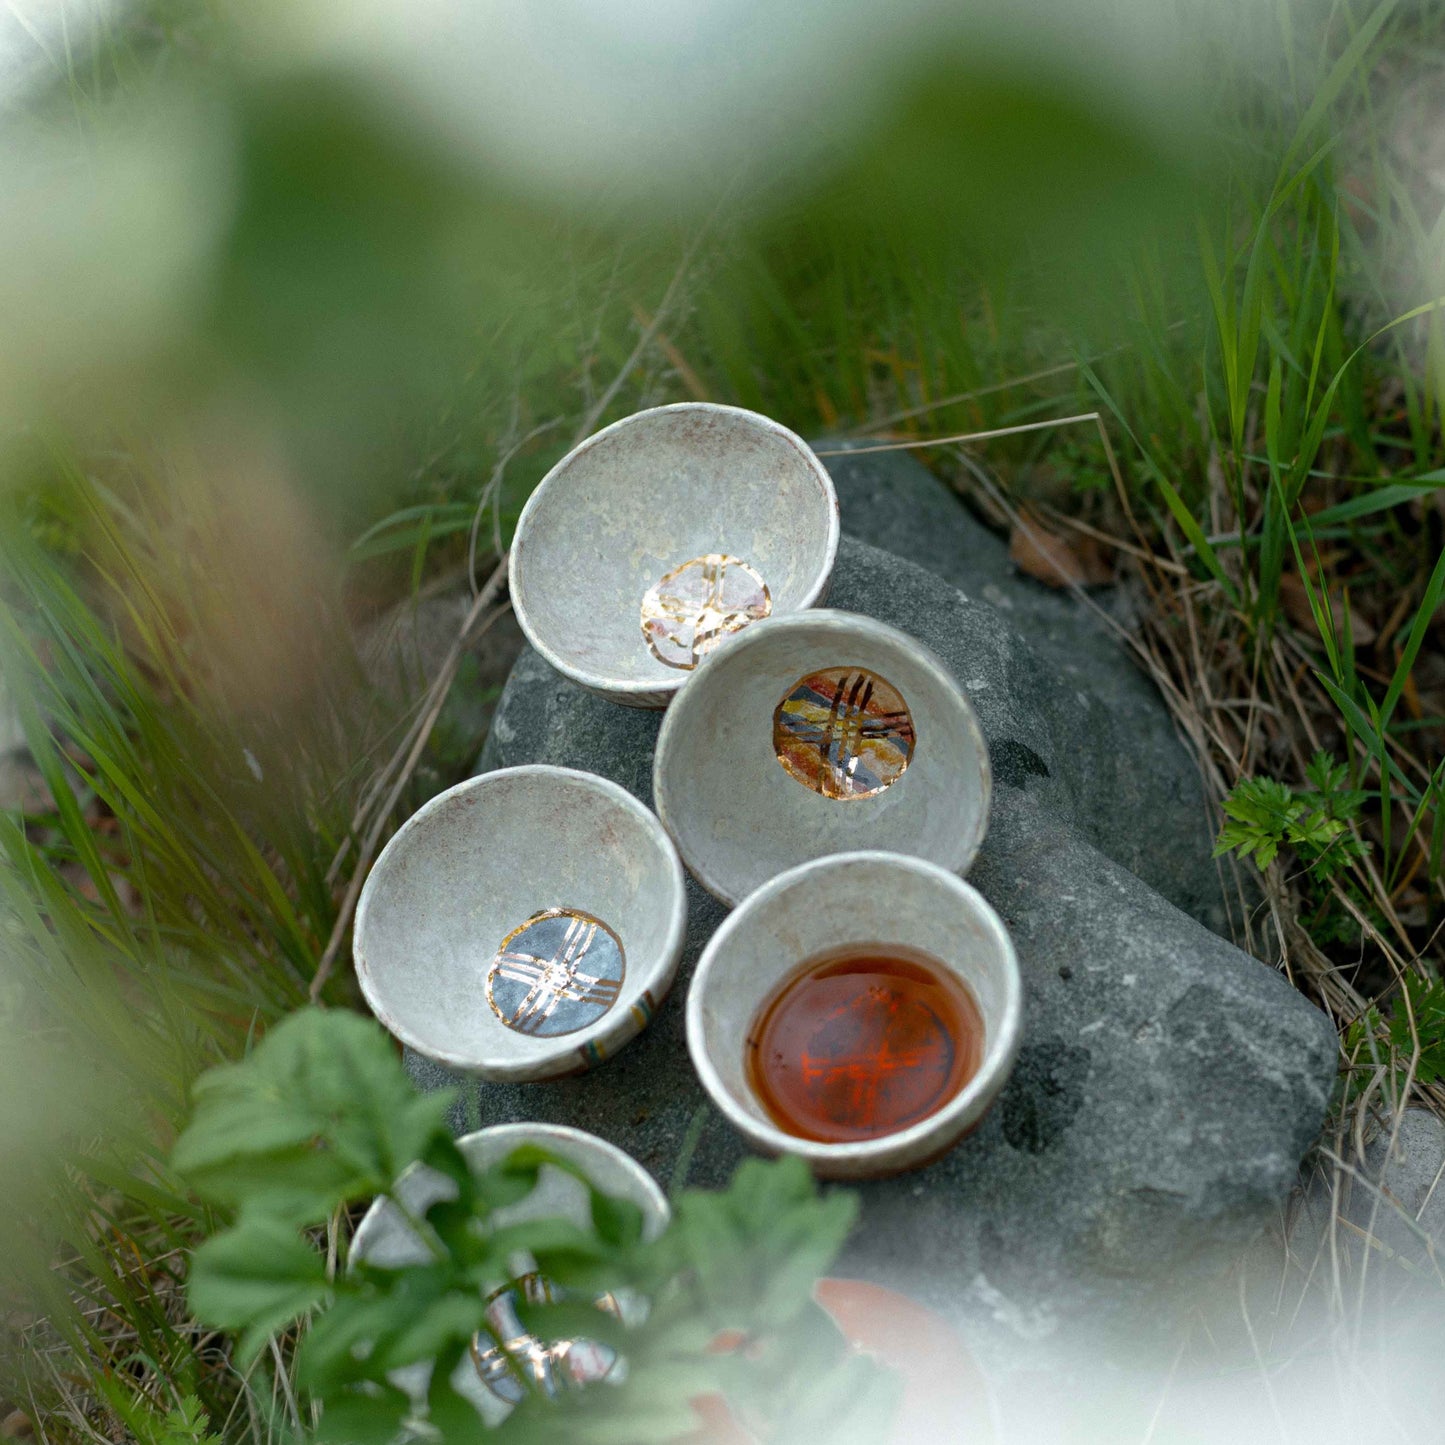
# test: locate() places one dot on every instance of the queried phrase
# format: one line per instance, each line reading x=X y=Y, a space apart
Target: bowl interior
x=385 y=1238
x=648 y=495
x=748 y=792
x=864 y=900
x=466 y=873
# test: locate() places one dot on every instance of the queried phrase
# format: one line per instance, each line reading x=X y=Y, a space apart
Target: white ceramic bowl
x=522 y=925
x=863 y=899
x=385 y=1239
x=663 y=534
x=819 y=733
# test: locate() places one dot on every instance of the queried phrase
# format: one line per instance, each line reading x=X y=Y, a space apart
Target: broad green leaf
x=575 y=1318
x=256 y=1278
x=335 y=1351
x=757 y=1250
x=426 y=1333
x=450 y=1414
x=412 y=1316
x=618 y=1222
x=372 y=1414
x=320 y=1113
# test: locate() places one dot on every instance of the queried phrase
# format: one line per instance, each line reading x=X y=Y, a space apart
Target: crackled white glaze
x=455 y=889
x=740 y=817
x=645 y=496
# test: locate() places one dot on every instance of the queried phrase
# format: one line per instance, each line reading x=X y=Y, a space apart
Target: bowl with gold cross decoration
x=522 y=925
x=507 y=1361
x=823 y=732
x=660 y=537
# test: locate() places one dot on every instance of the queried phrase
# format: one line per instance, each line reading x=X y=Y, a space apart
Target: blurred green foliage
x=322 y=1115
x=281 y=317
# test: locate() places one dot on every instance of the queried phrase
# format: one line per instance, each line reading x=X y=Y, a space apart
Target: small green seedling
x=1265 y=815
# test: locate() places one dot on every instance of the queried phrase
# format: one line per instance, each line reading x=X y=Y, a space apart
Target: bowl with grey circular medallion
x=819 y=733
x=663 y=535
x=524 y=924
x=486 y=1377
x=911 y=1069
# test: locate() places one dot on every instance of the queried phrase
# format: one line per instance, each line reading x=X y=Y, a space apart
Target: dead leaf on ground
x=1056 y=560
x=1294 y=598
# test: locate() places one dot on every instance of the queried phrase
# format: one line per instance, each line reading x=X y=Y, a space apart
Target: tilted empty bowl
x=819 y=733
x=663 y=535
x=860 y=903
x=522 y=925
x=384 y=1239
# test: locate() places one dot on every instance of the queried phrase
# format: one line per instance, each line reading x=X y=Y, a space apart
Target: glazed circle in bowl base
x=819 y=733
x=524 y=924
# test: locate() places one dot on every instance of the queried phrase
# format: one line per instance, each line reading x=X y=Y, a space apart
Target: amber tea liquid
x=863 y=1041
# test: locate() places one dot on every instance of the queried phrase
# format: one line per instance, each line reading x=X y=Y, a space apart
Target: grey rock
x=890 y=501
x=1169 y=1084
x=1410 y=1172
x=1386 y=1207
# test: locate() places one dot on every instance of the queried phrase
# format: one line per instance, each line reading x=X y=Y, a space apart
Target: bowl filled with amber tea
x=861 y=1011
x=656 y=540
x=524 y=924
x=823 y=732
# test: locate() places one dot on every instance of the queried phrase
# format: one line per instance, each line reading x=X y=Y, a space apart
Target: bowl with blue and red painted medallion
x=524 y=924
x=657 y=539
x=819 y=733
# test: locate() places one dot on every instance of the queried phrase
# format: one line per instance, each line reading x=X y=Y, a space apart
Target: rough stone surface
x=1169 y=1083
x=1391 y=1203
x=1411 y=1214
x=890 y=501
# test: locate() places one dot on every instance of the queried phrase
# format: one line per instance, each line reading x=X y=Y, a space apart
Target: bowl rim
x=945 y=1123
x=645 y=689
x=616 y=1027
x=675 y=721
x=528 y=1132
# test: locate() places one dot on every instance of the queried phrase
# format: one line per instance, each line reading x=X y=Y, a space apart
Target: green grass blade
x=1177 y=507
x=1377 y=499
x=1423 y=616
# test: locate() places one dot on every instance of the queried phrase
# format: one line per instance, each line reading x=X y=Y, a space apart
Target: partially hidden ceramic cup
x=384 y=1239
x=819 y=733
x=524 y=924
x=660 y=536
x=865 y=900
